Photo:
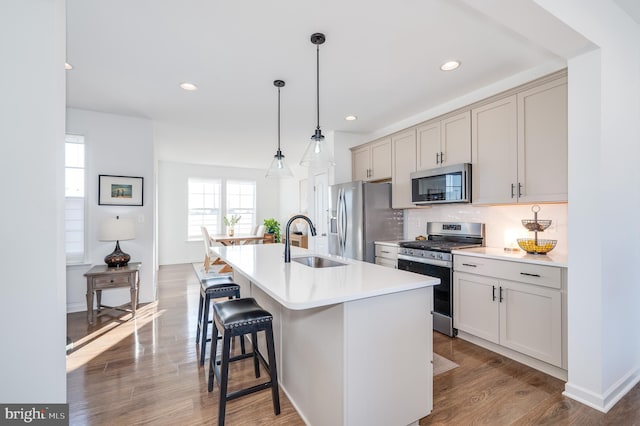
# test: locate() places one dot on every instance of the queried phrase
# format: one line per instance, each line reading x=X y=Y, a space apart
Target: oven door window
x=442 y=301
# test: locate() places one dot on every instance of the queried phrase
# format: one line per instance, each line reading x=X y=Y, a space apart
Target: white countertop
x=550 y=259
x=296 y=286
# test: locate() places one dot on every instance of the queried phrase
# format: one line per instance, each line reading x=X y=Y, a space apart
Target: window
x=212 y=199
x=74 y=198
x=241 y=200
x=204 y=207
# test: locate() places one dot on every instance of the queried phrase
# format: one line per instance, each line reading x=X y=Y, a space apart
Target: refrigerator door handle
x=339 y=220
x=344 y=223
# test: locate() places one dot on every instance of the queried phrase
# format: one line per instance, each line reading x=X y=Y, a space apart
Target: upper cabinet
x=444 y=142
x=519 y=146
x=372 y=161
x=403 y=158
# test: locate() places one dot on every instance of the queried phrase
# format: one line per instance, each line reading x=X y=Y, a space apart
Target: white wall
x=123 y=146
x=604 y=129
x=32 y=83
x=173 y=246
x=503 y=224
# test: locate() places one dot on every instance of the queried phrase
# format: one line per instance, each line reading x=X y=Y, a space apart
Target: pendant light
x=317 y=154
x=279 y=168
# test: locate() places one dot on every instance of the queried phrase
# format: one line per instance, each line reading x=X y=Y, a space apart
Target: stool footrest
x=247 y=391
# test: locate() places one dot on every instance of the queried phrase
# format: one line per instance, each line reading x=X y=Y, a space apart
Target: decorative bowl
x=529 y=245
x=536 y=225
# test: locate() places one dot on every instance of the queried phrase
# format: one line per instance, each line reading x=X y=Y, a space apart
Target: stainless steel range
x=433 y=257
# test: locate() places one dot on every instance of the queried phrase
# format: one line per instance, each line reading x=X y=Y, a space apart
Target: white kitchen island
x=353 y=343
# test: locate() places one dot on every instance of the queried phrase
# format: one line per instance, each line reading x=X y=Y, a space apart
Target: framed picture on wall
x=119 y=190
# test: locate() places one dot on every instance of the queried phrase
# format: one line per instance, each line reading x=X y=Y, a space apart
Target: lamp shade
x=278 y=168
x=117 y=229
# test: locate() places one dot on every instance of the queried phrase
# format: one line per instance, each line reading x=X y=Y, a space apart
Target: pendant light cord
x=279 y=152
x=318 y=83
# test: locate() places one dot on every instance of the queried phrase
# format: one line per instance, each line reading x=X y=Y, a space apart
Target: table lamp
x=117 y=230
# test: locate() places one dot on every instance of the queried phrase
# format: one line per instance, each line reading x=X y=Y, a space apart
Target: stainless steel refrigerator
x=359 y=214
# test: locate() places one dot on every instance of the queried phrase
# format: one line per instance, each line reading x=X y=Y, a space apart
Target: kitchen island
x=353 y=342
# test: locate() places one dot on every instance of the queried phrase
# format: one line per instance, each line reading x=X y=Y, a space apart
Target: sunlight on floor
x=99 y=341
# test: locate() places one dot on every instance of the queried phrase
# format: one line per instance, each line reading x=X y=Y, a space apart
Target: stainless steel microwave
x=451 y=184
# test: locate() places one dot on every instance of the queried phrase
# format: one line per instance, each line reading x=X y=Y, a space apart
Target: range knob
x=440 y=256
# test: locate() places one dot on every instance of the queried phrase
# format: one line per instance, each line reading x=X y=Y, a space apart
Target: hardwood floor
x=146 y=372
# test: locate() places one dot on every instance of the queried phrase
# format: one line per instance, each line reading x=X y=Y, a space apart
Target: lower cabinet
x=521 y=316
x=387 y=255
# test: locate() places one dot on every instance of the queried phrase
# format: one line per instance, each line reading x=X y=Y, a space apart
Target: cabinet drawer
x=391 y=263
x=112 y=281
x=387 y=252
x=547 y=276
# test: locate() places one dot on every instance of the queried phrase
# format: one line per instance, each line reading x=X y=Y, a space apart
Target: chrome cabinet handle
x=512 y=189
x=519 y=190
x=493 y=292
x=437 y=162
x=469 y=264
x=441 y=157
x=501 y=298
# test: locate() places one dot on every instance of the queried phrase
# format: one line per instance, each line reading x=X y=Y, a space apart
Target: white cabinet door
x=542 y=143
x=428 y=145
x=444 y=142
x=380 y=160
x=403 y=157
x=360 y=163
x=530 y=321
x=494 y=152
x=456 y=139
x=474 y=309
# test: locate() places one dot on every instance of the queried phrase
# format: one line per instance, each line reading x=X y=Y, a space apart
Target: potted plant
x=230 y=223
x=272 y=226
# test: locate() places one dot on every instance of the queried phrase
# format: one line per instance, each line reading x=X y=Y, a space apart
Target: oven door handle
x=443 y=263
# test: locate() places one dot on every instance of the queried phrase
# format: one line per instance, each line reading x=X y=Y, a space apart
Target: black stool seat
x=241 y=313
x=213 y=288
x=238 y=317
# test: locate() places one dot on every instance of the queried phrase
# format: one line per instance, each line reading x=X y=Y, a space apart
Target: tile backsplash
x=503 y=224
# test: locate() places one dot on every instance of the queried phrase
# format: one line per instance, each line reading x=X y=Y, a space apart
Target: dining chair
x=210 y=258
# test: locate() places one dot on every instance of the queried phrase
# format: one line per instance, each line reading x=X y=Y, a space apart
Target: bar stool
x=213 y=288
x=238 y=317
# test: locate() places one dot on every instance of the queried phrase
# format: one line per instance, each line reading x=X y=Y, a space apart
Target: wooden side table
x=101 y=277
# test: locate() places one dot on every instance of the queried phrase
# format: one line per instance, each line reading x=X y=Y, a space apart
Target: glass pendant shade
x=279 y=168
x=317 y=155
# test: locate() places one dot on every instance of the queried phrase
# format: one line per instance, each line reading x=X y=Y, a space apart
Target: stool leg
x=212 y=360
x=256 y=363
x=273 y=371
x=224 y=376
x=205 y=326
x=200 y=303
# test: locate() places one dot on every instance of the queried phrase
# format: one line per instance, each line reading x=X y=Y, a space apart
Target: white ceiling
x=380 y=62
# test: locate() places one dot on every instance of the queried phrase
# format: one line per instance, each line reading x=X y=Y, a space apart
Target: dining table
x=227 y=240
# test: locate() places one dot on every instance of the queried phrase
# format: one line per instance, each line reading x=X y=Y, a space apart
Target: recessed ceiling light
x=68 y=66
x=351 y=117
x=450 y=65
x=188 y=86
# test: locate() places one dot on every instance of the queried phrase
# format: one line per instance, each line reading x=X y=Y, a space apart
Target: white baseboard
x=76 y=307
x=604 y=402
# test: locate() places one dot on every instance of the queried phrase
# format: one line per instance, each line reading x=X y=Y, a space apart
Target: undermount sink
x=317 y=262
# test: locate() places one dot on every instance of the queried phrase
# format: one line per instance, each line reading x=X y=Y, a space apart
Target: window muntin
x=204 y=207
x=74 y=193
